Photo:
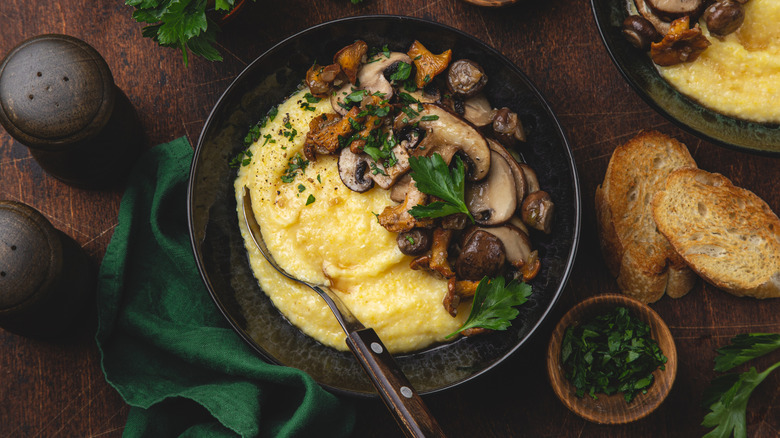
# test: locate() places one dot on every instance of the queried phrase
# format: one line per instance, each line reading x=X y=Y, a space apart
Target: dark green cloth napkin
x=166 y=348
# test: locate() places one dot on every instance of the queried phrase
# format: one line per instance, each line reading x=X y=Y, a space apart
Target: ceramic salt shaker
x=45 y=277
x=58 y=98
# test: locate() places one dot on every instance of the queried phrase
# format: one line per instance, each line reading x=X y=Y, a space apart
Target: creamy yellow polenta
x=739 y=74
x=319 y=230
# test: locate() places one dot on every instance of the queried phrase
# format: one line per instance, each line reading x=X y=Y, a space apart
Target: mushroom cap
x=516 y=243
x=669 y=10
x=354 y=170
x=482 y=254
x=371 y=76
x=466 y=78
x=477 y=110
x=447 y=134
x=493 y=200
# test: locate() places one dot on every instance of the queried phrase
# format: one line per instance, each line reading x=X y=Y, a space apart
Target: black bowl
x=641 y=74
x=219 y=248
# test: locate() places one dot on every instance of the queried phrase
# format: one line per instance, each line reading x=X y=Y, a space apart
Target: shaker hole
x=13 y=247
x=30 y=97
x=65 y=79
x=39 y=74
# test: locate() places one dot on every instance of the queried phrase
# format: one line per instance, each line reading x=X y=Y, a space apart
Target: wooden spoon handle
x=406 y=405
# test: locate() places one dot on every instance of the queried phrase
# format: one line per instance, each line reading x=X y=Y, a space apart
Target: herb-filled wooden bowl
x=611 y=409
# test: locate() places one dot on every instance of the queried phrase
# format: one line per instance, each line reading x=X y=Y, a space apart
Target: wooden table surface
x=57 y=389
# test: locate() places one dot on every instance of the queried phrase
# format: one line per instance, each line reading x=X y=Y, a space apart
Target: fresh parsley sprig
x=728 y=395
x=434 y=177
x=745 y=347
x=494 y=304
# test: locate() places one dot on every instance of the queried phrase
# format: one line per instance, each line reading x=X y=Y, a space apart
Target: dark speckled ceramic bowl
x=642 y=75
x=219 y=248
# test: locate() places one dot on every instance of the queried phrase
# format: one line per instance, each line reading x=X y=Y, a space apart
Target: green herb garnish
x=294 y=165
x=493 y=305
x=310 y=200
x=611 y=353
x=182 y=24
x=402 y=72
x=728 y=395
x=429 y=118
x=434 y=177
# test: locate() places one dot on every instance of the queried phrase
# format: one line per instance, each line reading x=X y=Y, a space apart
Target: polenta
x=319 y=230
x=739 y=74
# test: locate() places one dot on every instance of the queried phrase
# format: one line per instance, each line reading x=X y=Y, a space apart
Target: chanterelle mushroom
x=447 y=134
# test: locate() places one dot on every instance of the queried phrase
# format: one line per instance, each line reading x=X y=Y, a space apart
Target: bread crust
x=725 y=233
x=641 y=259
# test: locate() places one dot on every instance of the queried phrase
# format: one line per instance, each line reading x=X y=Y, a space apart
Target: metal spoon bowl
x=406 y=405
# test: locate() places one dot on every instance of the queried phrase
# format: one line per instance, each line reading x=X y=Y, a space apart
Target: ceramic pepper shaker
x=45 y=277
x=58 y=98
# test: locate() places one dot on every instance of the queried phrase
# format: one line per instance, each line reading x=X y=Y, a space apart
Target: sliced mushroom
x=516 y=243
x=337 y=98
x=466 y=78
x=669 y=10
x=389 y=175
x=530 y=178
x=521 y=186
x=507 y=127
x=371 y=76
x=477 y=110
x=493 y=200
x=414 y=242
x=482 y=254
x=447 y=134
x=398 y=190
x=354 y=170
x=537 y=211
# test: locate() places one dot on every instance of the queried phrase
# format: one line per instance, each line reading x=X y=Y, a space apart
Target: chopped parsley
x=294 y=165
x=310 y=200
x=301 y=188
x=429 y=118
x=402 y=72
x=611 y=353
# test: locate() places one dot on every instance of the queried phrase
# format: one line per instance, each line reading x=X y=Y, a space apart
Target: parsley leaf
x=493 y=305
x=745 y=347
x=433 y=177
x=727 y=412
x=310 y=200
x=728 y=395
x=295 y=164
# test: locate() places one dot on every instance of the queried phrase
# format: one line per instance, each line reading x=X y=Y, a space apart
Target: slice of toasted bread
x=727 y=234
x=644 y=263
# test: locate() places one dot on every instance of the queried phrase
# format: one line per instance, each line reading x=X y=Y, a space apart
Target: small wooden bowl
x=612 y=409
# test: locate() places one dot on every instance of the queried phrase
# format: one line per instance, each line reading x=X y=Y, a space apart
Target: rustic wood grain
x=56 y=388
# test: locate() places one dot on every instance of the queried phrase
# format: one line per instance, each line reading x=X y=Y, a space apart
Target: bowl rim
x=544 y=105
x=555 y=345
x=602 y=26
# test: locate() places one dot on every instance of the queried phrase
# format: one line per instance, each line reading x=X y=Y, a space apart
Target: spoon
x=406 y=405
